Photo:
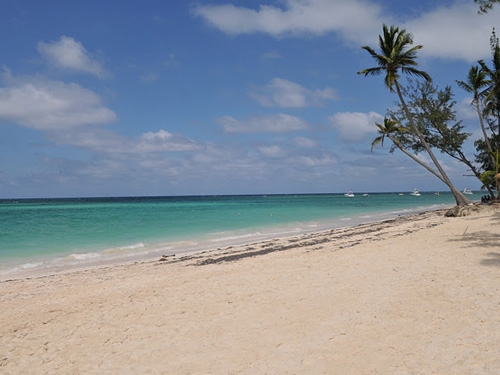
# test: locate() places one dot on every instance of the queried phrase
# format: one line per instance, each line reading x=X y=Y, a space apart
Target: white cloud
x=354 y=126
x=67 y=53
x=280 y=92
x=455 y=31
x=272 y=151
x=304 y=142
x=50 y=105
x=297 y=16
x=272 y=55
x=165 y=141
x=280 y=123
x=466 y=110
x=105 y=141
x=309 y=161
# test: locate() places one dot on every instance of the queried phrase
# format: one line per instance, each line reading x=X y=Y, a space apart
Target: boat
x=468 y=191
x=349 y=194
x=365 y=194
x=415 y=193
x=436 y=193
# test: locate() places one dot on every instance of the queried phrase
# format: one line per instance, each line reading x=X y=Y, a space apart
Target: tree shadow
x=480 y=239
x=483 y=239
x=493 y=260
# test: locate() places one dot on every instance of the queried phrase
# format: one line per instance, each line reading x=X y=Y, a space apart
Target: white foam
x=83 y=256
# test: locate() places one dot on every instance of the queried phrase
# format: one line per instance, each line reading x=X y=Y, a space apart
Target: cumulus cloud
x=454 y=32
x=50 y=105
x=466 y=110
x=165 y=141
x=67 y=53
x=280 y=92
x=271 y=151
x=304 y=142
x=295 y=17
x=105 y=141
x=311 y=161
x=447 y=31
x=280 y=123
x=354 y=126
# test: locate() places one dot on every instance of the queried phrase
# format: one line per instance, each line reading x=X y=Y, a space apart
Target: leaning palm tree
x=390 y=129
x=476 y=81
x=397 y=57
x=492 y=91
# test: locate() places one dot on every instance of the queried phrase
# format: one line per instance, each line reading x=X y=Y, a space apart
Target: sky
x=180 y=97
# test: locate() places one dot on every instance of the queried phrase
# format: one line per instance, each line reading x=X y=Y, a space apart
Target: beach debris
x=165 y=257
x=460 y=211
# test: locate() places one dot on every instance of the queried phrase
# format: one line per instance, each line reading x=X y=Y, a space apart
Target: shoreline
x=241 y=247
x=74 y=251
x=416 y=294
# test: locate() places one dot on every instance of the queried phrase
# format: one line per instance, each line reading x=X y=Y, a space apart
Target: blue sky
x=153 y=97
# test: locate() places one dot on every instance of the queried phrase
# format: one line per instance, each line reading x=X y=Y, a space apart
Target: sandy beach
x=416 y=295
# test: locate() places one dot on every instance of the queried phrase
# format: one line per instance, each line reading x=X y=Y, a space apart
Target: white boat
x=415 y=193
x=468 y=191
x=365 y=194
x=349 y=194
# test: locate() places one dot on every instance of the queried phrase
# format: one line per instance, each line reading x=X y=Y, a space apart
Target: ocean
x=47 y=235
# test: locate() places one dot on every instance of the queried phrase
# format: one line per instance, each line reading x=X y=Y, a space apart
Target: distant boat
x=468 y=191
x=365 y=195
x=400 y=194
x=415 y=193
x=436 y=193
x=349 y=194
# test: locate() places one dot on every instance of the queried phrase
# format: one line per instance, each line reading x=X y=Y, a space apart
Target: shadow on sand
x=486 y=240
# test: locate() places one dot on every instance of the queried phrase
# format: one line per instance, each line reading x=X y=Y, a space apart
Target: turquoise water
x=38 y=234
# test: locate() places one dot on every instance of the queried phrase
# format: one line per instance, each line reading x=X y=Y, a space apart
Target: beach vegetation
x=392 y=130
x=486 y=5
x=433 y=110
x=483 y=81
x=476 y=85
x=396 y=57
x=491 y=177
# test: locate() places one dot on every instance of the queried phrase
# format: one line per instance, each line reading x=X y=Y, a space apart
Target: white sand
x=420 y=295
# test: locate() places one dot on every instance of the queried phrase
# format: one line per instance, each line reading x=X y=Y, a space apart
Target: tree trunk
x=481 y=122
x=460 y=199
x=415 y=159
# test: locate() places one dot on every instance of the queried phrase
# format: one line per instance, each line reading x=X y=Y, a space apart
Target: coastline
x=414 y=294
x=46 y=265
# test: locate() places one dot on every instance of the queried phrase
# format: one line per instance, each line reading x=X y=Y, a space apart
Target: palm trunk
x=483 y=128
x=460 y=199
x=414 y=158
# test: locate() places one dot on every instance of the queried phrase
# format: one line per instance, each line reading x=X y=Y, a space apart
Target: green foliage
x=486 y=5
x=395 y=57
x=483 y=156
x=490 y=177
x=433 y=111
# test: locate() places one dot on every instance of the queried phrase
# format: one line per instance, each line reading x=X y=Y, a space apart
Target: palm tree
x=492 y=91
x=396 y=57
x=486 y=5
x=389 y=129
x=476 y=80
